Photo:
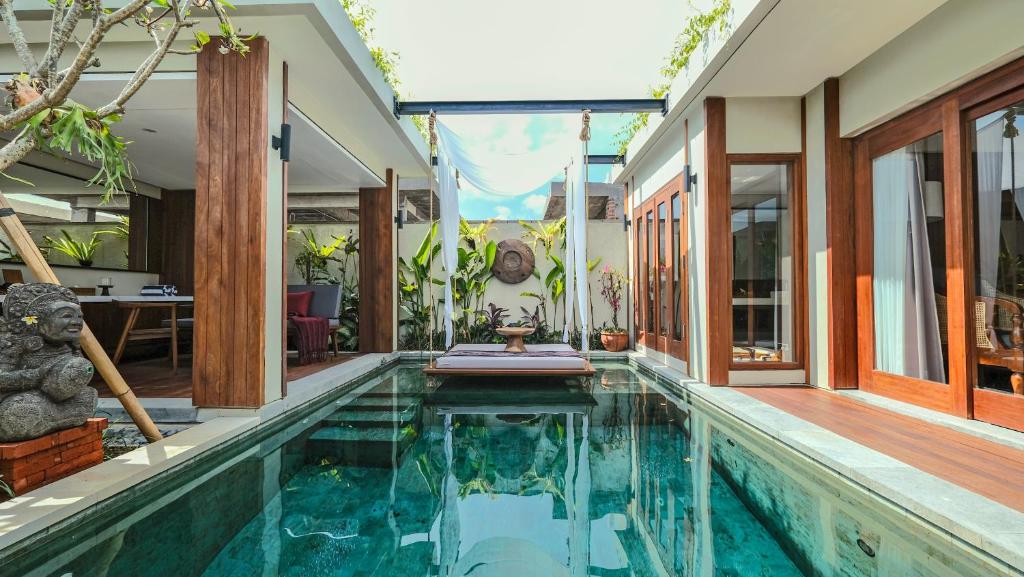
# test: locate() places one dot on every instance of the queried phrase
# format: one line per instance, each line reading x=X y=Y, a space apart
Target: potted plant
x=81 y=251
x=613 y=282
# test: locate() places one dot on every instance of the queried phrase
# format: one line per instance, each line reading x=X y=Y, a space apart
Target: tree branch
x=60 y=35
x=15 y=150
x=28 y=61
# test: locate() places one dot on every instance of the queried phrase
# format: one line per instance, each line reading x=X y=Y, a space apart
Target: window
x=998 y=181
x=662 y=271
x=909 y=256
x=651 y=271
x=677 y=297
x=763 y=271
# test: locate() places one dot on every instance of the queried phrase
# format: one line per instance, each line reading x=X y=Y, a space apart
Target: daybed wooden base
x=586 y=371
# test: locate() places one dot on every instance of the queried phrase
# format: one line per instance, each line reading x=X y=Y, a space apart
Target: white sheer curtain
x=576 y=282
x=989 y=169
x=448 y=196
x=507 y=173
x=907 y=334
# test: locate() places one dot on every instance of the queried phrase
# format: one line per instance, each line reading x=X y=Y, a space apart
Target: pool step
x=360 y=446
x=355 y=417
x=385 y=403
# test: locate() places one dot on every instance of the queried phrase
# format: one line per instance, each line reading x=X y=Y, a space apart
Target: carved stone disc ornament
x=514 y=261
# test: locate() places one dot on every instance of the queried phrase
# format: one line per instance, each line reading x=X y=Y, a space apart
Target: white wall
x=958 y=41
x=762 y=125
x=817 y=243
x=125 y=283
x=273 y=250
x=606 y=239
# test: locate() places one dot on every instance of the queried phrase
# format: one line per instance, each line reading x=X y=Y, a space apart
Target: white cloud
x=502 y=212
x=536 y=203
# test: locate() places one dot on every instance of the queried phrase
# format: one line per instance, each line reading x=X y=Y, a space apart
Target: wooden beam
x=716 y=191
x=376 y=268
x=841 y=271
x=231 y=213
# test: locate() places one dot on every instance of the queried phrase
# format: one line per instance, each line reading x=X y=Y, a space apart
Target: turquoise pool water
x=495 y=479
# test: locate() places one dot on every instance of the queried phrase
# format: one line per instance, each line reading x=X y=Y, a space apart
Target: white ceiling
x=801 y=42
x=160 y=125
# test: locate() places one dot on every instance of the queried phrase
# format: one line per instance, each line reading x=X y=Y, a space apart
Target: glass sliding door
x=764 y=273
x=660 y=240
x=909 y=282
x=997 y=155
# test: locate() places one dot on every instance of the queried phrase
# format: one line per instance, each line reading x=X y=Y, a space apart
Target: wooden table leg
x=129 y=324
x=515 y=344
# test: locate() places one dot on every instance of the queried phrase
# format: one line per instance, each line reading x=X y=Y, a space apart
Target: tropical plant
x=475 y=236
x=419 y=321
x=8 y=253
x=5 y=488
x=550 y=236
x=314 y=258
x=685 y=45
x=41 y=116
x=494 y=316
x=82 y=251
x=470 y=280
x=613 y=282
x=121 y=231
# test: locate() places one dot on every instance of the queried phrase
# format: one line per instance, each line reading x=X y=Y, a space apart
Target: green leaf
x=202 y=38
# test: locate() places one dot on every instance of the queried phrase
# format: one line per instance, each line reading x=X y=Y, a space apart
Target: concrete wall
x=125 y=283
x=762 y=125
x=606 y=240
x=817 y=243
x=274 y=248
x=957 y=42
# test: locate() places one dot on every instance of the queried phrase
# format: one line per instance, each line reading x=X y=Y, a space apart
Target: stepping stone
x=359 y=446
x=359 y=418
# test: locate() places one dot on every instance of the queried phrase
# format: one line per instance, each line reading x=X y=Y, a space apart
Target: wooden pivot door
x=661 y=270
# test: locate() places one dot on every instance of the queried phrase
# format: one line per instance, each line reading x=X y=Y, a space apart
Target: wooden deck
x=984 y=467
x=154 y=379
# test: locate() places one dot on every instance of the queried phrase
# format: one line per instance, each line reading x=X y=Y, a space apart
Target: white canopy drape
x=513 y=175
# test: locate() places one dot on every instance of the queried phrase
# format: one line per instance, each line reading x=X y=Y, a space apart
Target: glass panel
x=909 y=282
x=640 y=267
x=651 y=272
x=677 y=267
x=999 y=240
x=762 y=263
x=662 y=271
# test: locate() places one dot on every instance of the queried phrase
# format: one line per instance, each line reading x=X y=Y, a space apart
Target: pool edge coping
x=38 y=511
x=986 y=529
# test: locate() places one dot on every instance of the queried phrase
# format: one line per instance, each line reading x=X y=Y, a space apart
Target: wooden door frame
x=794 y=162
x=653 y=339
x=951 y=115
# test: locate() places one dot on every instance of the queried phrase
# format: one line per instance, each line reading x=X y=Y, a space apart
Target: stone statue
x=44 y=379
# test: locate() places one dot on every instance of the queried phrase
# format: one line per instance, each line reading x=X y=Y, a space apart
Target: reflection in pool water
x=495 y=480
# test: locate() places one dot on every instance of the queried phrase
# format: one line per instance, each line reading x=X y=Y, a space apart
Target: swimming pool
x=396 y=478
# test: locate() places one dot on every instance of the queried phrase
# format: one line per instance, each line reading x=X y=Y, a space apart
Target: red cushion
x=298 y=303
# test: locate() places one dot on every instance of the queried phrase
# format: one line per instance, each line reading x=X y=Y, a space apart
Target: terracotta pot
x=614 y=342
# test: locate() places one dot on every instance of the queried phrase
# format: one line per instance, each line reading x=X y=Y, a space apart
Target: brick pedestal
x=30 y=464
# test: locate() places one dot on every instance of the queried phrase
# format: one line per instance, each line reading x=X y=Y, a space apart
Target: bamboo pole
x=37 y=265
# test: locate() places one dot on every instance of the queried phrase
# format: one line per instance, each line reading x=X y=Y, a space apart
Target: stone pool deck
x=969 y=486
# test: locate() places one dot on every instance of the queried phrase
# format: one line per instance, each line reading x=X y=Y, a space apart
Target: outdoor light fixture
x=625 y=221
x=400 y=217
x=283 y=142
x=689 y=179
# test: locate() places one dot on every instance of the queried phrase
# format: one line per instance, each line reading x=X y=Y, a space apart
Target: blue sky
x=529 y=132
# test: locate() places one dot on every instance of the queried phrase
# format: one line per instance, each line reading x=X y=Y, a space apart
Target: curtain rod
x=407 y=108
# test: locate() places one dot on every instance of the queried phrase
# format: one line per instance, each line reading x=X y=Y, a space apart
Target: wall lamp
x=283 y=142
x=689 y=179
x=625 y=221
x=400 y=217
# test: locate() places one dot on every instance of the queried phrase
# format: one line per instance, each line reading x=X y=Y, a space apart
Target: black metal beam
x=606 y=159
x=591 y=159
x=530 y=106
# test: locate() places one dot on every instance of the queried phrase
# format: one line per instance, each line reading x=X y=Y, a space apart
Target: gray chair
x=326 y=303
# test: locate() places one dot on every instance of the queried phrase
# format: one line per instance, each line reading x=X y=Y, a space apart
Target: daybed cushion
x=564 y=357
x=298 y=303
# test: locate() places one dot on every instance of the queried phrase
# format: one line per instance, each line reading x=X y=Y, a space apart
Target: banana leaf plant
x=314 y=258
x=82 y=251
x=419 y=318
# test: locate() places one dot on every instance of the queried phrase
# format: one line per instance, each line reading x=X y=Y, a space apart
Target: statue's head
x=44 y=310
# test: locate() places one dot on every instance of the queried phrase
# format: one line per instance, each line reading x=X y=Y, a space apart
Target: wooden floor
x=990 y=469
x=154 y=379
